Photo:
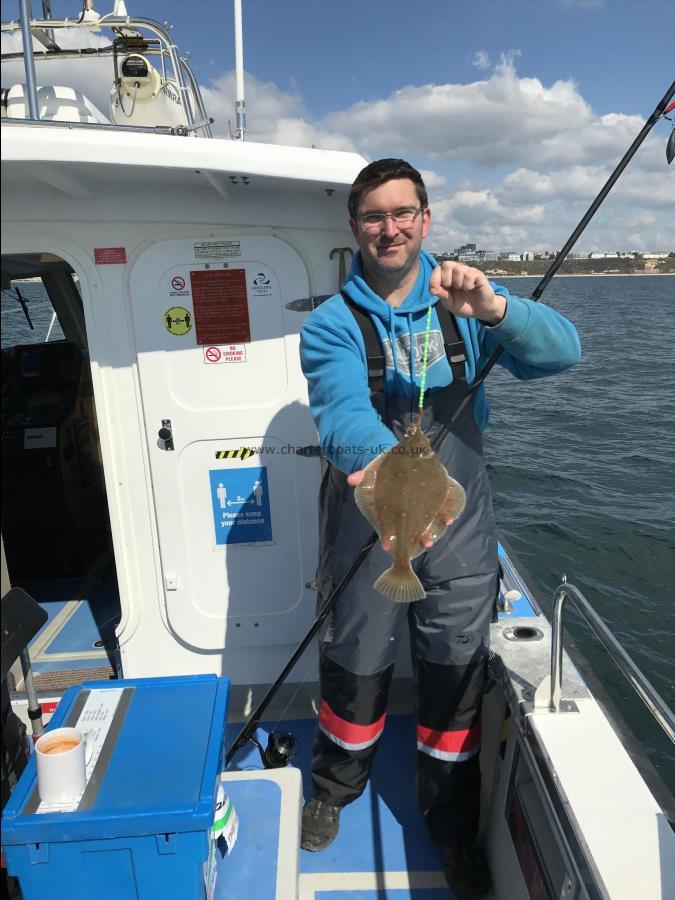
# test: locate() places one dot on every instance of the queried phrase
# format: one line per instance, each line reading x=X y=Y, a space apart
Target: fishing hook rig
x=664 y=106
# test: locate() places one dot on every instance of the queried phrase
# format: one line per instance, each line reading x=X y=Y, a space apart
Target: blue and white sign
x=241 y=506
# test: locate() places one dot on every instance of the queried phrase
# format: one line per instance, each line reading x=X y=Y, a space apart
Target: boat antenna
x=88 y=13
x=255 y=717
x=240 y=103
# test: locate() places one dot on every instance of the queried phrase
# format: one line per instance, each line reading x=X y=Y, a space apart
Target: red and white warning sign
x=110 y=256
x=230 y=353
x=220 y=305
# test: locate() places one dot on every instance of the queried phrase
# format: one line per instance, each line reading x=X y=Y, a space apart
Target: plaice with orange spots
x=409 y=498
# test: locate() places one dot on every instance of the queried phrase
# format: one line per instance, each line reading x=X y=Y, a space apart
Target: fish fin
x=399 y=583
x=455 y=500
x=453 y=506
x=364 y=493
x=435 y=531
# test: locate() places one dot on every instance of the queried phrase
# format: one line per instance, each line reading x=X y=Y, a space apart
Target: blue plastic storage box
x=142 y=828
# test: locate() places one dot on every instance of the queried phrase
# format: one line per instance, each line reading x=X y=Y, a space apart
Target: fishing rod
x=280 y=745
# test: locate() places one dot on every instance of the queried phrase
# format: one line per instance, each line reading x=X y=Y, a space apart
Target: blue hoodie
x=537 y=341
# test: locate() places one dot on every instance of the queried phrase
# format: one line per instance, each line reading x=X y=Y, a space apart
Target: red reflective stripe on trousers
x=450 y=741
x=348 y=731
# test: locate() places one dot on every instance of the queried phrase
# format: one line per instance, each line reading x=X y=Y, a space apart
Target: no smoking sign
x=228 y=353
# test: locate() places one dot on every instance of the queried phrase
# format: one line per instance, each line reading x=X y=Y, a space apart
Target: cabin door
x=225 y=410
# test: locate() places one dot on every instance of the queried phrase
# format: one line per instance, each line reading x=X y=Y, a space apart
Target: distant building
x=527 y=255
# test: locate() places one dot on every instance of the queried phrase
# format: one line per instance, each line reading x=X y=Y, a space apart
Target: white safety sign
x=226 y=353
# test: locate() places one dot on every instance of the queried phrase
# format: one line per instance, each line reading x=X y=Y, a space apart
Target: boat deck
x=77 y=640
x=382 y=849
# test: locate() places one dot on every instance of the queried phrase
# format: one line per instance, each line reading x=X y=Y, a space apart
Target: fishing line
x=301 y=683
x=425 y=357
x=334 y=596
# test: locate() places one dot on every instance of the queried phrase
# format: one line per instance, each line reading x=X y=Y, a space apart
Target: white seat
x=56 y=103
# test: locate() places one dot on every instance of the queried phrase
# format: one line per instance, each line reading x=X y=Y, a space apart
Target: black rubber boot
x=466 y=871
x=320 y=823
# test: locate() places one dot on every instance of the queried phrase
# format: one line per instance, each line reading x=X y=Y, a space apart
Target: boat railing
x=648 y=694
x=197 y=119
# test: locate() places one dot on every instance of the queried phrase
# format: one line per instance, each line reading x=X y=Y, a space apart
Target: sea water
x=583 y=473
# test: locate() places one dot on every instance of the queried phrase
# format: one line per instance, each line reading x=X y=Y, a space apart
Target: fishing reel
x=281 y=748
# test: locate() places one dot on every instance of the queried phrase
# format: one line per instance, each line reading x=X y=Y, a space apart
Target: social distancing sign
x=241 y=506
x=178 y=320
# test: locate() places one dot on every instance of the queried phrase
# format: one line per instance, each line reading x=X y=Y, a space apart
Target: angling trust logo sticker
x=261 y=285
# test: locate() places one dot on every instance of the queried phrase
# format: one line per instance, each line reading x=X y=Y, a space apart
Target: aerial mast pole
x=240 y=107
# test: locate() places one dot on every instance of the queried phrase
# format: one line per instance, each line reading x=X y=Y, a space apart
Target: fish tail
x=399 y=583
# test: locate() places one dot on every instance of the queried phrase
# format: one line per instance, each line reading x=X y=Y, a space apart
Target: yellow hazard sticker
x=178 y=320
x=239 y=453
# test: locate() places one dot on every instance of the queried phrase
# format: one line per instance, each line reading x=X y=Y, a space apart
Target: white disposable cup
x=62 y=775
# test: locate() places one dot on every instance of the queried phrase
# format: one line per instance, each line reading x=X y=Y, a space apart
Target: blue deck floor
x=380 y=832
x=94 y=617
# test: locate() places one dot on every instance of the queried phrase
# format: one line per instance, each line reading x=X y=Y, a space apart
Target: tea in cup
x=61 y=757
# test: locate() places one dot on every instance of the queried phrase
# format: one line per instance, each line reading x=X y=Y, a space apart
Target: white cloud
x=500 y=120
x=273 y=116
x=636 y=187
x=481 y=59
x=433 y=180
x=67 y=38
x=475 y=207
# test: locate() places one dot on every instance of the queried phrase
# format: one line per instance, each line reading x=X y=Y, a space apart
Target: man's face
x=390 y=248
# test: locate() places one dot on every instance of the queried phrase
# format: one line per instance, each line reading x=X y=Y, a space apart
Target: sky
x=515 y=111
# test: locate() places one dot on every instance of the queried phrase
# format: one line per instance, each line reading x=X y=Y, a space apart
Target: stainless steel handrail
x=656 y=705
x=29 y=60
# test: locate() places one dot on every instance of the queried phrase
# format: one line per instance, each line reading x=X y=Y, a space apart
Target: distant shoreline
x=593 y=275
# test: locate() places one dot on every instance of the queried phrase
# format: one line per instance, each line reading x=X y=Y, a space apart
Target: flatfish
x=408 y=497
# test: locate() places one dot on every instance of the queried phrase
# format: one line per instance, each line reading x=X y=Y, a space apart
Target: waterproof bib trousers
x=449 y=634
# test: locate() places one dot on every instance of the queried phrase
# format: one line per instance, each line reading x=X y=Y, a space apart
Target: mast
x=240 y=106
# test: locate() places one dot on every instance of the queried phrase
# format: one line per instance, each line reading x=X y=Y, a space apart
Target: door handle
x=165 y=434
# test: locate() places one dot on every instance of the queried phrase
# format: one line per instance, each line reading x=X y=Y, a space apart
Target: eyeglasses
x=403 y=217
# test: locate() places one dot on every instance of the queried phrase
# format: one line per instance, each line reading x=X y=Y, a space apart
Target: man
x=393 y=282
